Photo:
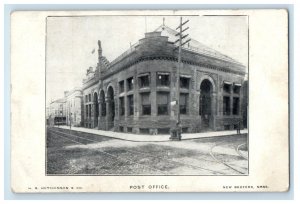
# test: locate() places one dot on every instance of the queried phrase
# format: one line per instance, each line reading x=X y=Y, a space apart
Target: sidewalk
x=151 y=138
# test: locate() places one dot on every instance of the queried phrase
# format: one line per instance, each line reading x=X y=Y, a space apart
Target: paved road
x=78 y=153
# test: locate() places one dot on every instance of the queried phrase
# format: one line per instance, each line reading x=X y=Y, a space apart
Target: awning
x=185 y=76
x=163 y=73
x=236 y=84
x=144 y=74
x=227 y=82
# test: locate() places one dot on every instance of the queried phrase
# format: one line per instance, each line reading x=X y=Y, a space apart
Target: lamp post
x=70 y=119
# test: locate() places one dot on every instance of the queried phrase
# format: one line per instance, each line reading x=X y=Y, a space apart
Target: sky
x=71 y=40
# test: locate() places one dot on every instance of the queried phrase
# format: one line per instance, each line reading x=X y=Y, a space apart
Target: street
x=78 y=153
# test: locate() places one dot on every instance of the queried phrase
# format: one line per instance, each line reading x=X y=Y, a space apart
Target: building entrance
x=96 y=110
x=111 y=108
x=205 y=105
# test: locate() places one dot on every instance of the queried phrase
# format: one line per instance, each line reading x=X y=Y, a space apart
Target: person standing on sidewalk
x=239 y=127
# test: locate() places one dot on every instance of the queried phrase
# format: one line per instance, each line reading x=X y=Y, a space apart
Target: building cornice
x=170 y=58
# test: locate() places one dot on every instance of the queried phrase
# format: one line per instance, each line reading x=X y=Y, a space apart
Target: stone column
x=108 y=113
x=194 y=97
x=99 y=114
x=231 y=100
x=153 y=94
x=173 y=94
x=88 y=114
x=116 y=118
x=213 y=110
x=93 y=115
x=136 y=104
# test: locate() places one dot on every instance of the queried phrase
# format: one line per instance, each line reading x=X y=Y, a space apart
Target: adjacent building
x=57 y=112
x=74 y=107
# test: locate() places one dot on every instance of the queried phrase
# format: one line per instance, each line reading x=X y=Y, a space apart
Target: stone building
x=133 y=93
x=90 y=92
x=245 y=106
x=74 y=107
x=57 y=112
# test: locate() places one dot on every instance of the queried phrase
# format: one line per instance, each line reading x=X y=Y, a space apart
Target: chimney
x=65 y=93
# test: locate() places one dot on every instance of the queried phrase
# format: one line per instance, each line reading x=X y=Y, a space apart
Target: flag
x=93 y=51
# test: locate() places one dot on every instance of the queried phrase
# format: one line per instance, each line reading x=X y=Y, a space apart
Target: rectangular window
x=226 y=127
x=163 y=131
x=162 y=103
x=130 y=104
x=226 y=87
x=184 y=82
x=144 y=80
x=163 y=79
x=185 y=130
x=183 y=102
x=129 y=129
x=90 y=98
x=226 y=105
x=235 y=106
x=236 y=89
x=86 y=98
x=90 y=110
x=121 y=86
x=86 y=111
x=146 y=105
x=144 y=130
x=130 y=84
x=121 y=106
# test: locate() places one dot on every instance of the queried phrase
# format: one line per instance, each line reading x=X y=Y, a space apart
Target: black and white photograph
x=153 y=95
x=150 y=101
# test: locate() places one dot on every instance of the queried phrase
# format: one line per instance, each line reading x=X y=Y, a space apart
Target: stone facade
x=74 y=107
x=134 y=92
x=57 y=112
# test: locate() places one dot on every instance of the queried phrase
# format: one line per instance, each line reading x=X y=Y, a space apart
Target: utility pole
x=176 y=133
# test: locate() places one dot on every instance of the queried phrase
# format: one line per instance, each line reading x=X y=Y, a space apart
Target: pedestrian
x=239 y=127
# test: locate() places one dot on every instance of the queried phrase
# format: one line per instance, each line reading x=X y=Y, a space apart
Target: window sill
x=144 y=89
x=163 y=88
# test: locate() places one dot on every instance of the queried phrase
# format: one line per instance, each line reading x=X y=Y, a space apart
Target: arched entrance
x=102 y=104
x=111 y=108
x=102 y=111
x=96 y=110
x=205 y=104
